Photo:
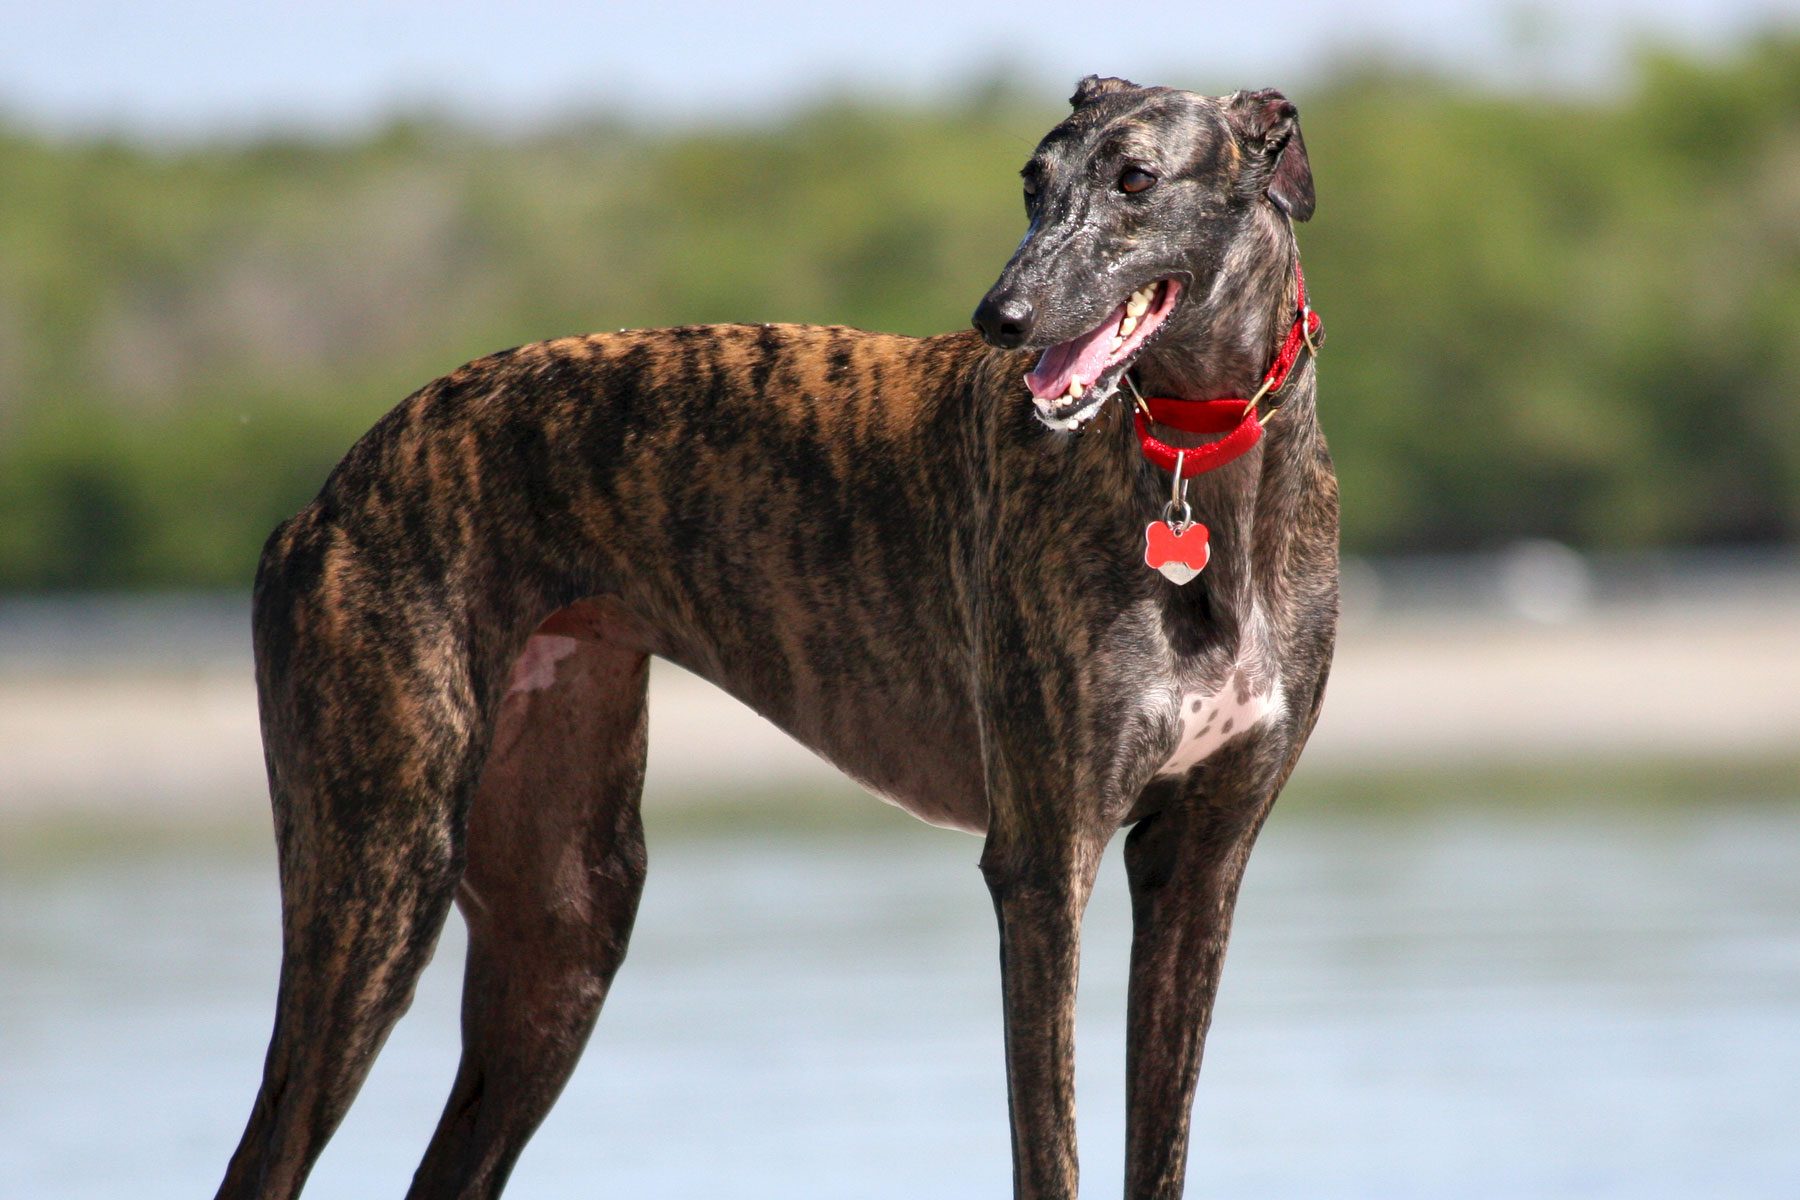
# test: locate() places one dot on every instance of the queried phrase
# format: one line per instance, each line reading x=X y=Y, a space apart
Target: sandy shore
x=179 y=735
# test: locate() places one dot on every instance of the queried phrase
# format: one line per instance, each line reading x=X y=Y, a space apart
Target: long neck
x=1226 y=341
x=1222 y=341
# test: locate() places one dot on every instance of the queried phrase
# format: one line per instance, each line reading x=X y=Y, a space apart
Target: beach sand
x=177 y=737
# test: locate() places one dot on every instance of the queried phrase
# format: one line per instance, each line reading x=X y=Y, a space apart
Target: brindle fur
x=869 y=539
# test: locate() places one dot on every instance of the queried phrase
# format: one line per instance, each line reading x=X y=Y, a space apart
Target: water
x=1468 y=1003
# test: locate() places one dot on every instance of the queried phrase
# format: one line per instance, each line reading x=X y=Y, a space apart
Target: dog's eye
x=1031 y=187
x=1135 y=180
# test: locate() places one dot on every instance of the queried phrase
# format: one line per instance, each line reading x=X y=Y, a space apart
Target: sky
x=184 y=69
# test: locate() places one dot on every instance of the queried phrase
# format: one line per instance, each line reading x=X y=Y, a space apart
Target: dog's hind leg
x=555 y=868
x=373 y=734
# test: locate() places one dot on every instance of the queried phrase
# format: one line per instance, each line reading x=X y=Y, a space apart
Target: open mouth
x=1073 y=379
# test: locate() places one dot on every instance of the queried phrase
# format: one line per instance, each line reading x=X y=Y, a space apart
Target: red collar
x=1232 y=416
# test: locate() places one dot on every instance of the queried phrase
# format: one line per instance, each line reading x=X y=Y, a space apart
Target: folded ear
x=1095 y=86
x=1269 y=126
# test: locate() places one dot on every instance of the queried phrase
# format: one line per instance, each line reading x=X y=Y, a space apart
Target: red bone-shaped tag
x=1179 y=555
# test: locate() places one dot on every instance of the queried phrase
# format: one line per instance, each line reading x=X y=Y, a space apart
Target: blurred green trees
x=1565 y=317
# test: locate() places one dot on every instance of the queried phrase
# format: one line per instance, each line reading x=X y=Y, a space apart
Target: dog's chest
x=1217 y=704
x=1209 y=718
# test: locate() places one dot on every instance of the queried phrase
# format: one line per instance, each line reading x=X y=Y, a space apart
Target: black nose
x=1005 y=321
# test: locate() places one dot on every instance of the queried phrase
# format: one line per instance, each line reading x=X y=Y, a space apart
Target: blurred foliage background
x=1556 y=315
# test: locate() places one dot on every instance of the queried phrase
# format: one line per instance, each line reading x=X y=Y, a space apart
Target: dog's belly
x=1208 y=719
x=918 y=754
x=907 y=740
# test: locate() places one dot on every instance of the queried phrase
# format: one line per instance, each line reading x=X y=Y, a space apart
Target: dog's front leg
x=1040 y=866
x=1184 y=864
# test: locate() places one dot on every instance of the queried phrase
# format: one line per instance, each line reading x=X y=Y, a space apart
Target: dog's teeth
x=1126 y=326
x=1075 y=389
x=1138 y=305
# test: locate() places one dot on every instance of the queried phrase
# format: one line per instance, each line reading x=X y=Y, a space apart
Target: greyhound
x=929 y=571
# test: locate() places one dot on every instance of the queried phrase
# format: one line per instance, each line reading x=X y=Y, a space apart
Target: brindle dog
x=876 y=542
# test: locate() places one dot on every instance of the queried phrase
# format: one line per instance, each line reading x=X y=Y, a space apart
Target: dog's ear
x=1095 y=86
x=1269 y=125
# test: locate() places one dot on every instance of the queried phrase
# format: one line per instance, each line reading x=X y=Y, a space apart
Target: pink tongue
x=1083 y=359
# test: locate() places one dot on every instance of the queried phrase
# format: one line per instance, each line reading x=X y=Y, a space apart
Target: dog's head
x=1134 y=202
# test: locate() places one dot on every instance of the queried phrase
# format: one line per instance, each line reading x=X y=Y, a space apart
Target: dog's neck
x=1223 y=346
x=1222 y=342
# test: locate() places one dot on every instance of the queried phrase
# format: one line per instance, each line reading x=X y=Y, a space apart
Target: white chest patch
x=536 y=668
x=1210 y=719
